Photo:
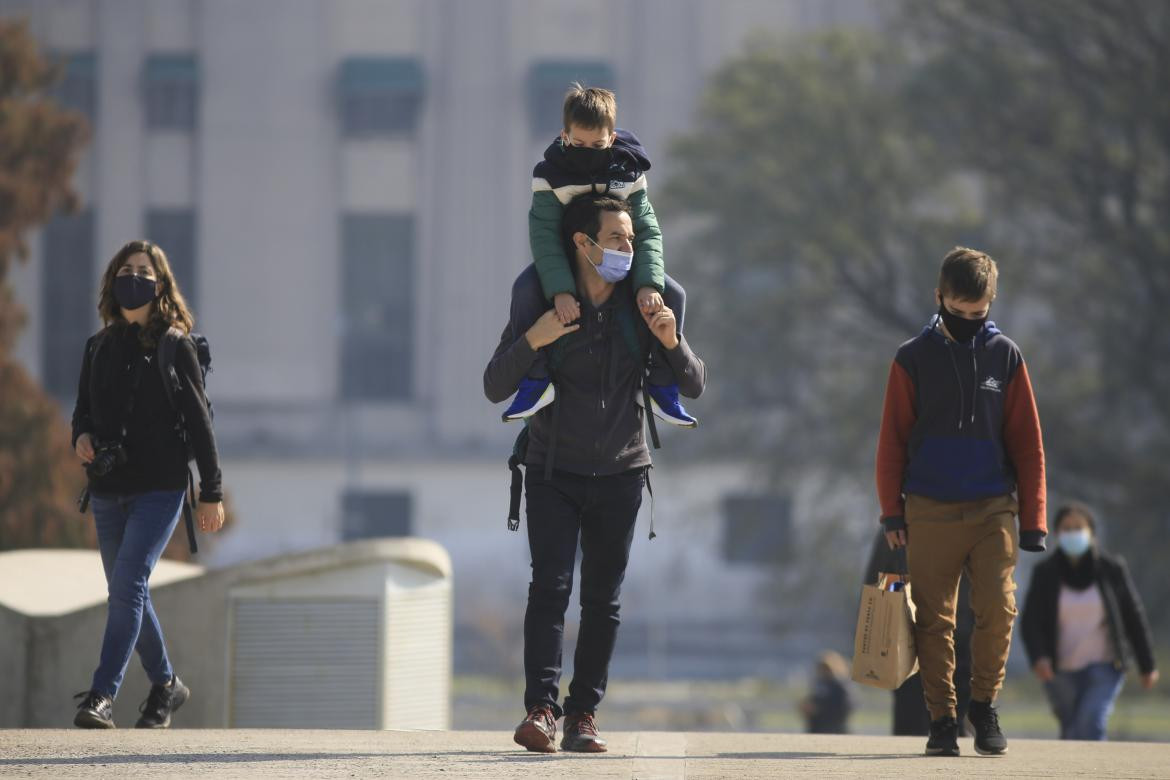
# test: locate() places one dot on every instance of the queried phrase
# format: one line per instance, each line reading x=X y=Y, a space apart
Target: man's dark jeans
x=601 y=511
x=528 y=303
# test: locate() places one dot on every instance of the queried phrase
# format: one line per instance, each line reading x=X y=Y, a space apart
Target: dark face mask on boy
x=961 y=329
x=588 y=160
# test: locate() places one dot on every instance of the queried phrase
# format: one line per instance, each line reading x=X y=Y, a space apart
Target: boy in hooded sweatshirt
x=593 y=155
x=960 y=454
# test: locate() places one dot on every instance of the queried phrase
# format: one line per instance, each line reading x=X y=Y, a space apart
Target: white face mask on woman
x=1075 y=542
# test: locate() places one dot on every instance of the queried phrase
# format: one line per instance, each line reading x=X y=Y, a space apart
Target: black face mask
x=133 y=292
x=961 y=329
x=588 y=161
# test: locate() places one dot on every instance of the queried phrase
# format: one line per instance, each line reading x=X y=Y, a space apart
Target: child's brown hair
x=967 y=275
x=590 y=108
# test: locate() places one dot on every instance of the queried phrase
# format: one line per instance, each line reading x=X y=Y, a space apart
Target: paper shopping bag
x=883 y=648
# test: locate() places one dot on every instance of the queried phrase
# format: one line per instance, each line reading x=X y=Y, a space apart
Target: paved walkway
x=491 y=755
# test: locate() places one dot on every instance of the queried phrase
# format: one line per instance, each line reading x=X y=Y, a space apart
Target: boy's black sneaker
x=160 y=703
x=581 y=734
x=944 y=737
x=984 y=718
x=96 y=711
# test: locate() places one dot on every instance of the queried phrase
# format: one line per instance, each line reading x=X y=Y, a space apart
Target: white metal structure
x=359 y=639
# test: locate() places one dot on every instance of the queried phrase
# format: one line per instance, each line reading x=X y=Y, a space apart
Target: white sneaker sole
x=661 y=415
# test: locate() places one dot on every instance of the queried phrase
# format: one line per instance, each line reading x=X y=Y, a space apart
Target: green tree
x=40 y=144
x=827 y=177
x=1062 y=109
x=818 y=211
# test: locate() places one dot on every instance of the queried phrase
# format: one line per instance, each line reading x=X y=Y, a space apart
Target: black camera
x=107 y=457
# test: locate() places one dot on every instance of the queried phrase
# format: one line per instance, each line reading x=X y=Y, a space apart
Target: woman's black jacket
x=1128 y=628
x=157 y=456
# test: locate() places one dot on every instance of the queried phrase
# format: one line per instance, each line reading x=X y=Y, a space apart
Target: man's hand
x=649 y=300
x=896 y=539
x=567 y=308
x=1150 y=680
x=210 y=516
x=1043 y=669
x=662 y=325
x=547 y=329
x=85 y=448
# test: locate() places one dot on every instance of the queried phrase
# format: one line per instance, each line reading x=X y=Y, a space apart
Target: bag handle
x=901 y=569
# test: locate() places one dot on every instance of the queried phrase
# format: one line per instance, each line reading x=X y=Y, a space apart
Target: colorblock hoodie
x=554 y=185
x=960 y=424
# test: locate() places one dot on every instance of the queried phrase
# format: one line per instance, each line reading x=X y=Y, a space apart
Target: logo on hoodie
x=992 y=384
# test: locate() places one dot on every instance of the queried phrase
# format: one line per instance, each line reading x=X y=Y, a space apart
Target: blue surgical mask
x=1076 y=543
x=615 y=265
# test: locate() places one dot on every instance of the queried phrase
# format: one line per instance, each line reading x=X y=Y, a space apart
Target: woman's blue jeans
x=1083 y=700
x=132 y=533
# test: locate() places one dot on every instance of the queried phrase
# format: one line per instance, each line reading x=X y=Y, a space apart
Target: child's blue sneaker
x=532 y=396
x=665 y=405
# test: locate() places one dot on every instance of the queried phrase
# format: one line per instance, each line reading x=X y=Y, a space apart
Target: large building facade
x=342 y=187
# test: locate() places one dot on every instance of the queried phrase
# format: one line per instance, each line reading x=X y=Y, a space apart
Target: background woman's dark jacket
x=1128 y=628
x=157 y=457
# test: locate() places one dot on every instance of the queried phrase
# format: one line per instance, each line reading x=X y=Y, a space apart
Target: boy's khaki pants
x=945 y=539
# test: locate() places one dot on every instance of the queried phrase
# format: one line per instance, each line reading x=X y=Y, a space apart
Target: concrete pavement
x=491 y=755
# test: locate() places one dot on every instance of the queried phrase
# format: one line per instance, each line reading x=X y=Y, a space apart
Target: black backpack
x=168 y=345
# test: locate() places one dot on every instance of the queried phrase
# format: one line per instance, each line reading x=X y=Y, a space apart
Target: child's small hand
x=567 y=308
x=649 y=300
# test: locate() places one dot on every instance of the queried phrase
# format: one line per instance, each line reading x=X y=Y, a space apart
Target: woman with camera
x=136 y=433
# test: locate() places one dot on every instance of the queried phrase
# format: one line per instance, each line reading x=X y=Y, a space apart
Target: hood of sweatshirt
x=629 y=162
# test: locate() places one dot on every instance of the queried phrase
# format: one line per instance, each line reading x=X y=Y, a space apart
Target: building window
x=171 y=89
x=757 y=528
x=379 y=96
x=77 y=87
x=377 y=306
x=174 y=231
x=549 y=81
x=68 y=300
x=375 y=514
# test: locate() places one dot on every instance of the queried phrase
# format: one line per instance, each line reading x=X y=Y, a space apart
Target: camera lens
x=106 y=460
x=101 y=464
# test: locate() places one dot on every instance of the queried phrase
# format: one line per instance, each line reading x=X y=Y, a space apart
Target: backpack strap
x=189 y=511
x=519 y=453
x=556 y=356
x=650 y=490
x=168 y=345
x=552 y=440
x=641 y=352
x=95 y=348
x=649 y=413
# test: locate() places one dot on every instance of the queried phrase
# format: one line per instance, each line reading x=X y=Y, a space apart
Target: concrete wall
x=14 y=659
x=62 y=651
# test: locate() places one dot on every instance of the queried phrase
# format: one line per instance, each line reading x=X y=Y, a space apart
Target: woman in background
x=1083 y=623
